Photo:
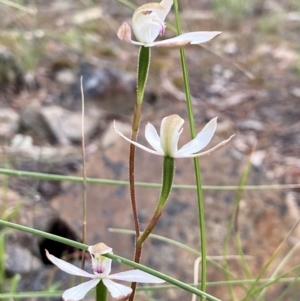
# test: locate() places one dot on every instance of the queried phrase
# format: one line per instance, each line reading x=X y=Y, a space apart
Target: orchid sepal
x=149 y=150
x=68 y=267
x=78 y=292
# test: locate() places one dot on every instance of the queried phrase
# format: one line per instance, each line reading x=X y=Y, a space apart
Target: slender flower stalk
x=101 y=277
x=196 y=161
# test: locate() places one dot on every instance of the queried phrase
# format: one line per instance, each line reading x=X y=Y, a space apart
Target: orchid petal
x=210 y=151
x=135 y=143
x=200 y=141
x=196 y=37
x=170 y=131
x=124 y=34
x=136 y=276
x=68 y=267
x=78 y=292
x=153 y=138
x=118 y=291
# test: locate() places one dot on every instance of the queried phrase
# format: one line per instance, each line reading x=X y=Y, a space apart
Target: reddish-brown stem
x=139 y=245
x=149 y=228
x=135 y=128
x=132 y=188
x=142 y=74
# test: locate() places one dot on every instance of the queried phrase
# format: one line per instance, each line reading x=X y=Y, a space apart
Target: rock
x=11 y=73
x=236 y=98
x=22 y=154
x=65 y=76
x=66 y=126
x=20 y=141
x=32 y=120
x=59 y=124
x=53 y=117
x=257 y=158
x=296 y=92
x=22 y=148
x=230 y=48
x=87 y=15
x=293 y=16
x=21 y=249
x=25 y=252
x=285 y=56
x=109 y=137
x=222 y=81
x=9 y=123
x=19 y=260
x=251 y=124
x=112 y=90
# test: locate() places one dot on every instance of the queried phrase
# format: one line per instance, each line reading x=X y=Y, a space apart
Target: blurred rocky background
x=249 y=77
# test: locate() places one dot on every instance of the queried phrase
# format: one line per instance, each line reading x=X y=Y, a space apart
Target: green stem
x=142 y=75
x=47 y=294
x=2 y=260
x=54 y=177
x=84 y=186
x=196 y=160
x=142 y=72
x=171 y=280
x=167 y=181
x=101 y=292
x=47 y=235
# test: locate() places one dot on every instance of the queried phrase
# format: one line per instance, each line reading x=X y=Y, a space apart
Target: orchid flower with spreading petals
x=148 y=23
x=167 y=143
x=101 y=268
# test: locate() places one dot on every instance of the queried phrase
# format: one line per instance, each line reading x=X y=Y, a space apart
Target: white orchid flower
x=148 y=23
x=101 y=268
x=167 y=143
